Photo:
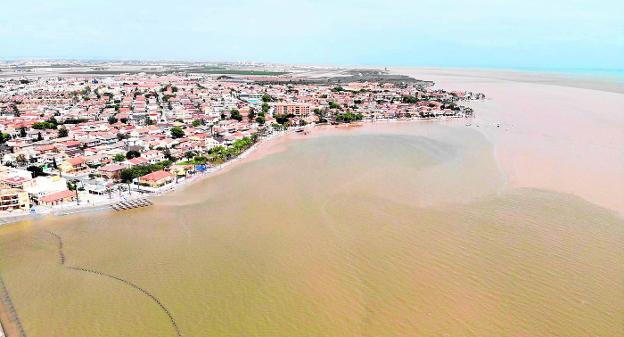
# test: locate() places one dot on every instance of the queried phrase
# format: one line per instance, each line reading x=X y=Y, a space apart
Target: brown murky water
x=408 y=231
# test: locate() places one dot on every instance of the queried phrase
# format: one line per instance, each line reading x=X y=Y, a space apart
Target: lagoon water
x=396 y=230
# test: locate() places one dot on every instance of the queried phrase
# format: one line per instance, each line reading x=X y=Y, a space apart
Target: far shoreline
x=555 y=135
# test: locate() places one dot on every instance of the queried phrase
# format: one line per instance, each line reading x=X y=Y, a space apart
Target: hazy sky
x=477 y=33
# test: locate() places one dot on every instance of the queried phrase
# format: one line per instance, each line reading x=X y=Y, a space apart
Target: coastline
x=260 y=149
x=486 y=116
x=63 y=210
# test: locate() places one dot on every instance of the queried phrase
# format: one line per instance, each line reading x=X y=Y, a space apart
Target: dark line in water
x=60 y=247
x=6 y=298
x=145 y=292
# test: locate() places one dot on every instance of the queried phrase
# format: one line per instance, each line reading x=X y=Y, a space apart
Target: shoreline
x=466 y=79
x=252 y=153
x=63 y=210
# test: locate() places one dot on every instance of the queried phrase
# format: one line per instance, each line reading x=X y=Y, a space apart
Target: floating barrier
x=13 y=317
x=155 y=299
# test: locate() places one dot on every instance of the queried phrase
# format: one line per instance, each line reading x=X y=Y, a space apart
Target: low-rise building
x=58 y=198
x=12 y=199
x=157 y=179
x=73 y=165
x=111 y=171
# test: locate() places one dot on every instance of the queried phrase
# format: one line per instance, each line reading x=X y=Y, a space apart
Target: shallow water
x=404 y=231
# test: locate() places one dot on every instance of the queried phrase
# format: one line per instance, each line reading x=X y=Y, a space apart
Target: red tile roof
x=72 y=143
x=76 y=161
x=58 y=196
x=138 y=161
x=157 y=175
x=112 y=168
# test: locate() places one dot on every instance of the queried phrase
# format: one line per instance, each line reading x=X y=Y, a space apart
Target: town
x=85 y=140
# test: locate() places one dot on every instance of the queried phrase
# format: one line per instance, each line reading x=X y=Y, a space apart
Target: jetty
x=131 y=204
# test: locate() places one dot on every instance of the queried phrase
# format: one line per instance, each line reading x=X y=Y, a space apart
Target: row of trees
x=129 y=174
x=220 y=154
x=44 y=125
x=348 y=117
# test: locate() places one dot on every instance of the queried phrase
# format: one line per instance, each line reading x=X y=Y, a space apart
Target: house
x=73 y=165
x=111 y=171
x=156 y=179
x=98 y=186
x=154 y=156
x=58 y=198
x=138 y=161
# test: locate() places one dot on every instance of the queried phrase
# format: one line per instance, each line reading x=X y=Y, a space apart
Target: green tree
x=334 y=105
x=189 y=155
x=235 y=114
x=177 y=132
x=265 y=107
x=133 y=154
x=348 y=117
x=112 y=120
x=119 y=157
x=197 y=123
x=43 y=125
x=62 y=132
x=127 y=175
x=252 y=114
x=283 y=119
x=260 y=120
x=200 y=160
x=22 y=132
x=36 y=171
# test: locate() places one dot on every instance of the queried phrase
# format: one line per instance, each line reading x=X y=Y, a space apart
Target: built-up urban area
x=87 y=140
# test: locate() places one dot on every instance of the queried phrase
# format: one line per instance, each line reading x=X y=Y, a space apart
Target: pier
x=130 y=204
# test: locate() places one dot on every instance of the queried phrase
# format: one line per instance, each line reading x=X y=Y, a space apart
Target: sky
x=531 y=34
